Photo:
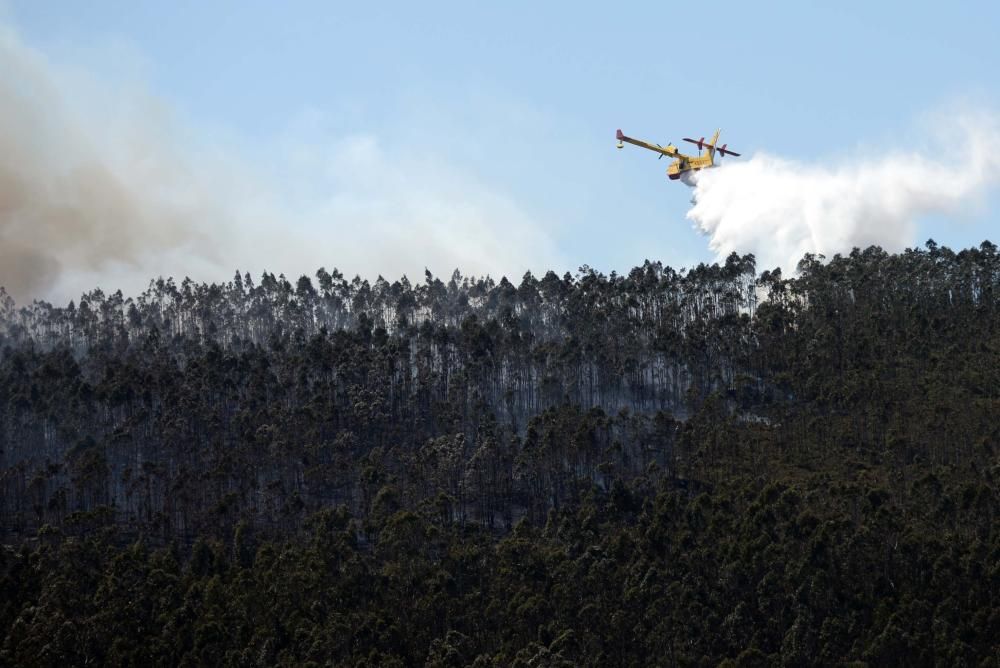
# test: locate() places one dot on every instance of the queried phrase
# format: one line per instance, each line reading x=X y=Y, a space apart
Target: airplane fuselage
x=688 y=163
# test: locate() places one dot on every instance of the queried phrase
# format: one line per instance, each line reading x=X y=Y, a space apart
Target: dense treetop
x=654 y=468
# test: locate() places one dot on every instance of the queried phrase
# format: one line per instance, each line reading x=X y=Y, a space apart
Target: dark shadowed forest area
x=697 y=468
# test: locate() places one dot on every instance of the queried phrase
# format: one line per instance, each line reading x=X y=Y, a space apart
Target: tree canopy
x=681 y=468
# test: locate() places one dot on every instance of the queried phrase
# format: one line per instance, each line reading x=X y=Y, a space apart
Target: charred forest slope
x=664 y=467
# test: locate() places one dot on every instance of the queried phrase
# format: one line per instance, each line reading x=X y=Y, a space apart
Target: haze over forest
x=106 y=181
x=340 y=334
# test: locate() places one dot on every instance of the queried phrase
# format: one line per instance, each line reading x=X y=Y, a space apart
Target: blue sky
x=521 y=100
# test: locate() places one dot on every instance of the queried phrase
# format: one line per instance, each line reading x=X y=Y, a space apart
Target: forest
x=704 y=467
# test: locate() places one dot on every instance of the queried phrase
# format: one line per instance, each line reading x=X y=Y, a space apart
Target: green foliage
x=653 y=469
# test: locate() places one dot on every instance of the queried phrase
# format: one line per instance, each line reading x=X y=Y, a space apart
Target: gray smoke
x=88 y=181
x=101 y=186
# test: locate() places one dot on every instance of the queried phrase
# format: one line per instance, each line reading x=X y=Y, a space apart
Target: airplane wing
x=669 y=151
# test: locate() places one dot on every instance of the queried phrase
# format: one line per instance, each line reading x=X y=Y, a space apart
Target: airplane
x=683 y=163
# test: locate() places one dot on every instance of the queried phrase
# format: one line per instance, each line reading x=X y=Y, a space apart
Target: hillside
x=676 y=468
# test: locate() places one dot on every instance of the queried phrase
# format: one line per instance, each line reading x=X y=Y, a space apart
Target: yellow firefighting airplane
x=683 y=163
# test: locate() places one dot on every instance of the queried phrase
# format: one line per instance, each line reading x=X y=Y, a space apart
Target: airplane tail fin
x=715 y=140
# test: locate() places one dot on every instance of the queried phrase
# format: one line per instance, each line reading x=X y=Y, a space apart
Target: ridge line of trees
x=706 y=468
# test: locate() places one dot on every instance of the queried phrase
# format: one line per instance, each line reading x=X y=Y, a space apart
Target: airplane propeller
x=661 y=155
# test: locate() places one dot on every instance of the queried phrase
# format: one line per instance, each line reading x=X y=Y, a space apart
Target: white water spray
x=780 y=209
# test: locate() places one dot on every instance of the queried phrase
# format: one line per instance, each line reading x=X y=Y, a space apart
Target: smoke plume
x=101 y=185
x=88 y=181
x=781 y=209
